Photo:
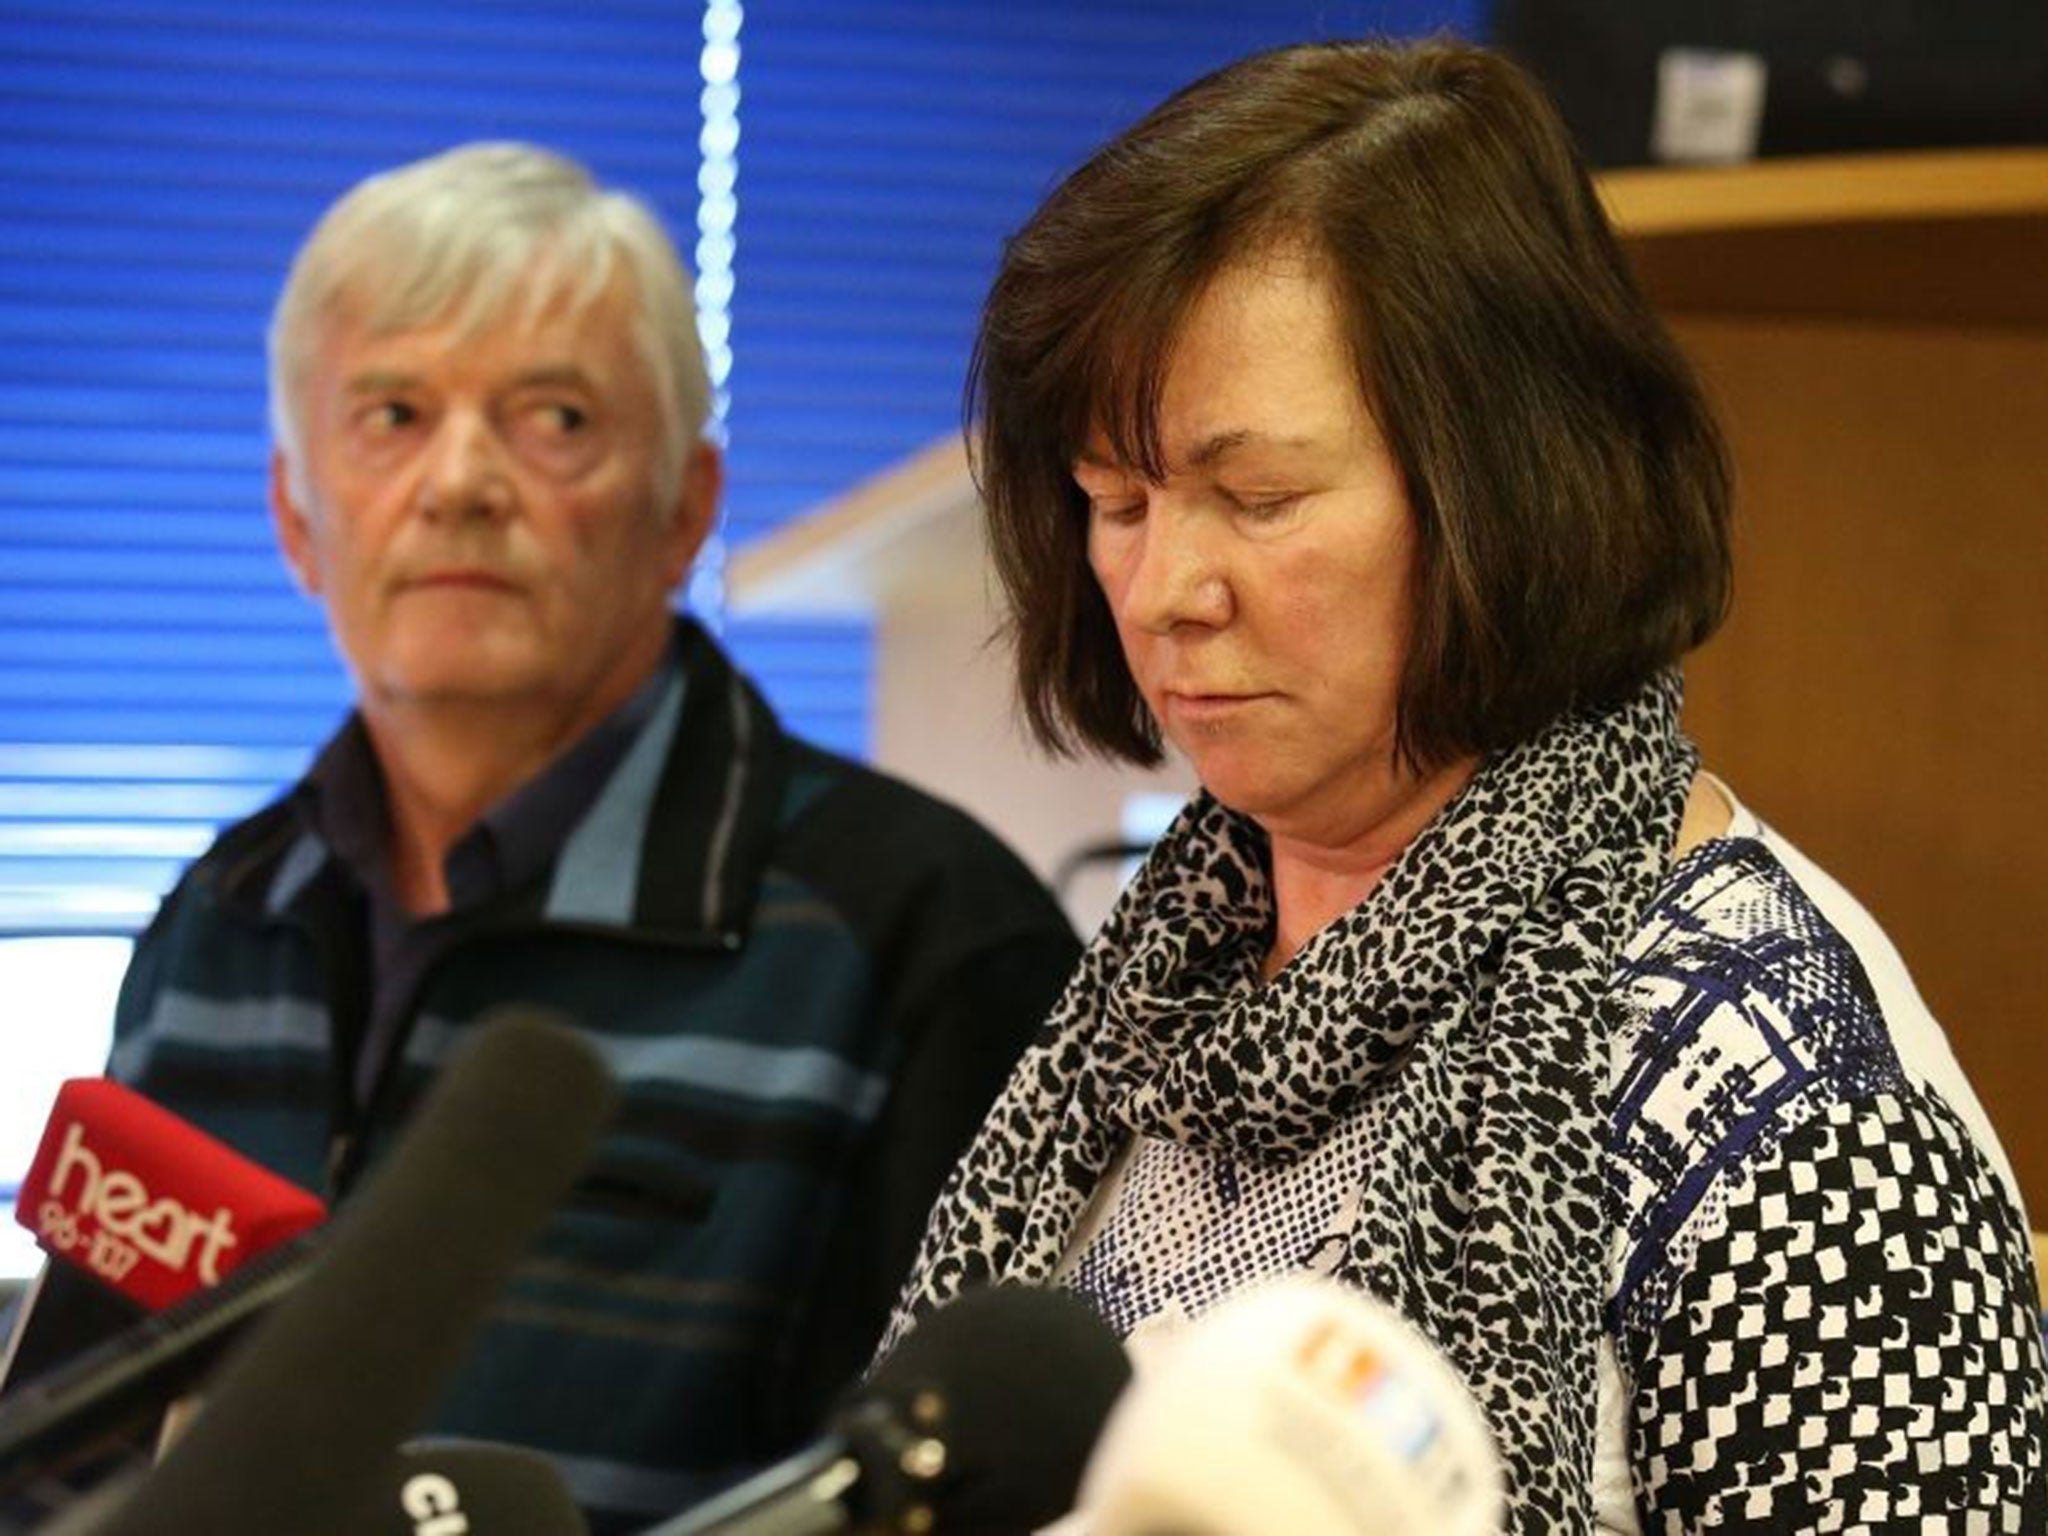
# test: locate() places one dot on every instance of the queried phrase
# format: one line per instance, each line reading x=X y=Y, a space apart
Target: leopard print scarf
x=1468 y=994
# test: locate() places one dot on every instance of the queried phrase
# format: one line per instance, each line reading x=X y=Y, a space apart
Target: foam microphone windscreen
x=1026 y=1377
x=980 y=1420
x=302 y=1419
x=427 y=1488
x=468 y=1488
x=1298 y=1405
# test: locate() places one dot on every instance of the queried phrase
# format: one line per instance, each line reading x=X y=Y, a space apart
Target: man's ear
x=696 y=509
x=294 y=527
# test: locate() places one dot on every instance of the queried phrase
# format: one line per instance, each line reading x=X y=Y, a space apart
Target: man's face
x=481 y=518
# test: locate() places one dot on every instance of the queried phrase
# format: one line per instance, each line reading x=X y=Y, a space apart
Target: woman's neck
x=1316 y=880
x=1316 y=883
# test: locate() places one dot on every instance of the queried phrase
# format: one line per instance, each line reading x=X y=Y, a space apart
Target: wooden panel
x=1955 y=238
x=1879 y=692
x=1987 y=272
x=1868 y=189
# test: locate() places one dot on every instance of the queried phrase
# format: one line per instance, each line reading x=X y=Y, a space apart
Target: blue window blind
x=817 y=673
x=158 y=676
x=885 y=152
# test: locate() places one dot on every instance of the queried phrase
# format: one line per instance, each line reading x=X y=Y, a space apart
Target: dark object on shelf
x=1649 y=81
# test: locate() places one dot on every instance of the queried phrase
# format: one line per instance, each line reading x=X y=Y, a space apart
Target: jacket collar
x=674 y=847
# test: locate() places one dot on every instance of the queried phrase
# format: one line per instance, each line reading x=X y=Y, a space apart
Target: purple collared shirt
x=512 y=844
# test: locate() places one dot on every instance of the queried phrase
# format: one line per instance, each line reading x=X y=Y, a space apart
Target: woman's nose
x=1178 y=576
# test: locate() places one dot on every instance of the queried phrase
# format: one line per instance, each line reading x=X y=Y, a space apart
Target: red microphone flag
x=155 y=1209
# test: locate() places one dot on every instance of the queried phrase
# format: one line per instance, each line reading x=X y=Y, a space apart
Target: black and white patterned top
x=1821 y=1299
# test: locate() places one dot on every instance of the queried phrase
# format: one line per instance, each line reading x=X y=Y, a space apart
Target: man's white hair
x=474 y=236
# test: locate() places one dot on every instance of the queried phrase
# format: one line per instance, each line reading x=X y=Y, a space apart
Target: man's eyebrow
x=375 y=381
x=379 y=380
x=553 y=373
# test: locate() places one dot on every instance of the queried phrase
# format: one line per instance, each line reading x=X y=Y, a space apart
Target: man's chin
x=459 y=676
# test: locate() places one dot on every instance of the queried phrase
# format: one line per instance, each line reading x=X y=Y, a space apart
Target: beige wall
x=945 y=719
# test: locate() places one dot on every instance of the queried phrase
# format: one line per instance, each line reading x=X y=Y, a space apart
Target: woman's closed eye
x=1113 y=497
x=1116 y=511
x=1263 y=507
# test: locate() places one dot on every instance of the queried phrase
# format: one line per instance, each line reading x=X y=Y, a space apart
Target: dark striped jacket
x=810 y=981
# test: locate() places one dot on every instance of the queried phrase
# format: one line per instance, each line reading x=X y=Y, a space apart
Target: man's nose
x=1179 y=575
x=465 y=473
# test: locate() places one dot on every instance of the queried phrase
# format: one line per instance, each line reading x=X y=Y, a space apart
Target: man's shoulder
x=211 y=941
x=244 y=855
x=846 y=807
x=878 y=845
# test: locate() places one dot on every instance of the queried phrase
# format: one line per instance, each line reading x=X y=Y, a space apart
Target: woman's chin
x=1264 y=795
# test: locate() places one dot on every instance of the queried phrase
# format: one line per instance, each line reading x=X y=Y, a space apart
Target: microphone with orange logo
x=1299 y=1405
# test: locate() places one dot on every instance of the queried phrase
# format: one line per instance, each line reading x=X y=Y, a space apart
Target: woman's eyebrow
x=1213 y=449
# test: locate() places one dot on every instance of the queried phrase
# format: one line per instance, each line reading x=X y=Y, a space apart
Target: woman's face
x=1263 y=590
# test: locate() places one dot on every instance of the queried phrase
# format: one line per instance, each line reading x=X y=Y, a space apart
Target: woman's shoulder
x=1755 y=980
x=1813 y=1222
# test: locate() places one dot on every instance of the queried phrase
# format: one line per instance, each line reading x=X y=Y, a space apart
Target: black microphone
x=429 y=1488
x=468 y=1488
x=70 y=1424
x=981 y=1419
x=62 y=1314
x=302 y=1421
x=143 y=1216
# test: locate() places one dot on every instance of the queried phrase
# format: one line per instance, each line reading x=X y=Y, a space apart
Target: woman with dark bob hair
x=1325 y=435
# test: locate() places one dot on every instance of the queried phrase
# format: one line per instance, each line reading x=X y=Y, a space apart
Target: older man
x=488 y=400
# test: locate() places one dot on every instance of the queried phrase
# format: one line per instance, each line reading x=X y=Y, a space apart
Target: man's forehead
x=541 y=302
x=549 y=322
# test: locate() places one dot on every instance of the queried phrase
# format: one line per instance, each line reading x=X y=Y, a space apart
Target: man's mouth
x=462 y=578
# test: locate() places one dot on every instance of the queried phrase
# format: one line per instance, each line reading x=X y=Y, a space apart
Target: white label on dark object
x=1710 y=105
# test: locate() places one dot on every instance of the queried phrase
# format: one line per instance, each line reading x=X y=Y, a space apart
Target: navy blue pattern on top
x=1820 y=1288
x=1751 y=1016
